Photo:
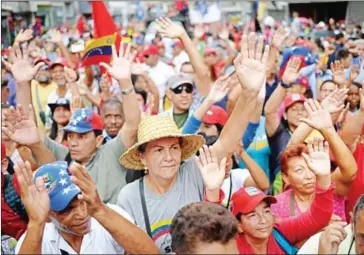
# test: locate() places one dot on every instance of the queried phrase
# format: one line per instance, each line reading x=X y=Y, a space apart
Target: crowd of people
x=234 y=142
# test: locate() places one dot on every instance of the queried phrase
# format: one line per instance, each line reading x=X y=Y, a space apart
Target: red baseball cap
x=292 y=99
x=151 y=50
x=304 y=82
x=178 y=44
x=209 y=51
x=160 y=45
x=245 y=200
x=45 y=60
x=59 y=61
x=3 y=151
x=215 y=115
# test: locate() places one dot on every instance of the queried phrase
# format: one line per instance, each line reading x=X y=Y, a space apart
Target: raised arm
x=271 y=109
x=250 y=67
x=120 y=70
x=345 y=174
x=169 y=29
x=354 y=126
x=56 y=37
x=129 y=236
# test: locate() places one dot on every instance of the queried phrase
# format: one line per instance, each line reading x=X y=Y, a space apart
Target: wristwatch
x=285 y=85
x=127 y=91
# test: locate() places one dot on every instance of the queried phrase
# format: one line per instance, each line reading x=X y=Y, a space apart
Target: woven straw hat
x=156 y=127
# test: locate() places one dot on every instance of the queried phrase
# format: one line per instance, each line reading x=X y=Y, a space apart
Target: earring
x=146 y=170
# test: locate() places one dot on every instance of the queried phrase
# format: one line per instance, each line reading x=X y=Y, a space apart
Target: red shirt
x=299 y=228
x=357 y=187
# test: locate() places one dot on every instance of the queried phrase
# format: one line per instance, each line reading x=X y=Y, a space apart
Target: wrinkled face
x=162 y=157
x=58 y=75
x=208 y=129
x=359 y=232
x=294 y=113
x=211 y=59
x=113 y=118
x=353 y=96
x=259 y=223
x=326 y=90
x=217 y=248
x=82 y=146
x=181 y=97
x=74 y=219
x=299 y=177
x=187 y=69
x=62 y=115
x=43 y=75
x=141 y=83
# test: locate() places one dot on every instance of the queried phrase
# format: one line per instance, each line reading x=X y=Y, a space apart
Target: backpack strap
x=282 y=241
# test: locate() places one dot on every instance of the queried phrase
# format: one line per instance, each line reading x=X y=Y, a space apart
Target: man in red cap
x=42 y=86
x=158 y=71
x=301 y=86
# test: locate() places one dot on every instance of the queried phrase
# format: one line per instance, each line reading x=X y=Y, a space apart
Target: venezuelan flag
x=98 y=50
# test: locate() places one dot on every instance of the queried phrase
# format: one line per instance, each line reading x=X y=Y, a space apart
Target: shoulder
x=239 y=176
x=128 y=193
x=121 y=212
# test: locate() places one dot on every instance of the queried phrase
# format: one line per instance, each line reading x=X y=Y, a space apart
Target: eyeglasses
x=180 y=88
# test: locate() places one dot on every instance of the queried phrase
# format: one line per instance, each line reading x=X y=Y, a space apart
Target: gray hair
x=359 y=206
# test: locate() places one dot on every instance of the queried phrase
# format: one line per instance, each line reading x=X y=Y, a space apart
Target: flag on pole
x=98 y=50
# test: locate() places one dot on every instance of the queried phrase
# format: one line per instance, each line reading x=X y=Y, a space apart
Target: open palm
x=20 y=127
x=319 y=159
x=251 y=64
x=220 y=89
x=169 y=29
x=33 y=195
x=334 y=102
x=291 y=73
x=120 y=67
x=319 y=118
x=212 y=174
x=338 y=73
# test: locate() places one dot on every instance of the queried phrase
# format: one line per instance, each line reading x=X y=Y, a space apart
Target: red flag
x=81 y=22
x=104 y=23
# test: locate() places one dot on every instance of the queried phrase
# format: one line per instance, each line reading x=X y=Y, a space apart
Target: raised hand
x=198 y=31
x=220 y=89
x=71 y=75
x=331 y=238
x=212 y=173
x=223 y=33
x=169 y=29
x=20 y=126
x=354 y=72
x=338 y=74
x=120 y=68
x=318 y=160
x=33 y=195
x=89 y=194
x=251 y=63
x=55 y=36
x=279 y=37
x=24 y=35
x=76 y=103
x=291 y=73
x=21 y=68
x=319 y=118
x=334 y=102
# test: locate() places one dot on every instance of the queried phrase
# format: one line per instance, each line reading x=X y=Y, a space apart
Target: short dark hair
x=327 y=81
x=201 y=222
x=354 y=83
x=342 y=54
x=359 y=206
x=142 y=93
x=113 y=101
x=339 y=36
x=143 y=147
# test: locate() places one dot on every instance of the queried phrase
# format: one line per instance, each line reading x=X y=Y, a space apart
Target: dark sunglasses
x=180 y=88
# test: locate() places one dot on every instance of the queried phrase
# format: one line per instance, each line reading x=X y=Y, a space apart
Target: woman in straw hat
x=173 y=179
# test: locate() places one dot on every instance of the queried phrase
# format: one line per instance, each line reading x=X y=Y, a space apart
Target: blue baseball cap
x=57 y=180
x=84 y=120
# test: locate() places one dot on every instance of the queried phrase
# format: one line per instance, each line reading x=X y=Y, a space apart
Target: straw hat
x=157 y=127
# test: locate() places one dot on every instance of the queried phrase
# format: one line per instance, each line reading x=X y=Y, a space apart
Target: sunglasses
x=180 y=88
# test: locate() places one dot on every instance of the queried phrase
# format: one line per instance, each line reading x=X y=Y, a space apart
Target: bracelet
x=127 y=91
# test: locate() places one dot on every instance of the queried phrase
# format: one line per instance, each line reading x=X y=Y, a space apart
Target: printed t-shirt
x=187 y=189
x=282 y=209
x=104 y=167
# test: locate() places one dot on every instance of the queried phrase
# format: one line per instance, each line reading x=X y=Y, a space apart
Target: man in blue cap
x=67 y=216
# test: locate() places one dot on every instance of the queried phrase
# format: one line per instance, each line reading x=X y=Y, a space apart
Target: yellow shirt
x=43 y=92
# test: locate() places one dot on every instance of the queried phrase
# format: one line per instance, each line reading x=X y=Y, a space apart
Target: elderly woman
x=299 y=180
x=173 y=179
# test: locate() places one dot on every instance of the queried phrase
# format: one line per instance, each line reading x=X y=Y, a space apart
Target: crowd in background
x=205 y=139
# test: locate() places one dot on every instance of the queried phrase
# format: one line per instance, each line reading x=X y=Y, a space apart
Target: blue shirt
x=12 y=89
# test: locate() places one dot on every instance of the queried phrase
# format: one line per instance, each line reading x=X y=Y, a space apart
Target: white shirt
x=238 y=178
x=179 y=60
x=53 y=97
x=159 y=75
x=97 y=241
